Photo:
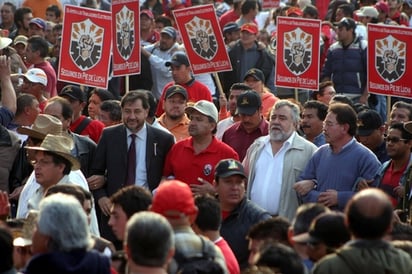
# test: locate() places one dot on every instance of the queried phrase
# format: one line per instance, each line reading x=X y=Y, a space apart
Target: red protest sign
x=388 y=61
x=297 y=55
x=203 y=39
x=85 y=47
x=126 y=37
x=270 y=4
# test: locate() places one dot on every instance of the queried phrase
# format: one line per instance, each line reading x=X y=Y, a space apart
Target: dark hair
x=113 y=108
x=164 y=20
x=209 y=216
x=19 y=16
x=6 y=250
x=321 y=90
x=67 y=110
x=305 y=214
x=401 y=104
x=70 y=189
x=240 y=86
x=311 y=10
x=57 y=27
x=275 y=229
x=322 y=109
x=248 y=5
x=103 y=94
x=404 y=133
x=11 y=5
x=132 y=199
x=38 y=43
x=57 y=160
x=281 y=257
x=24 y=100
x=55 y=9
x=345 y=115
x=133 y=96
x=347 y=10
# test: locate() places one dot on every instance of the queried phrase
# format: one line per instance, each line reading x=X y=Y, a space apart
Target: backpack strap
x=83 y=124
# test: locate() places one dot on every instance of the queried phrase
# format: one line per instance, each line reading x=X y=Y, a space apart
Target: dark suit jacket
x=111 y=158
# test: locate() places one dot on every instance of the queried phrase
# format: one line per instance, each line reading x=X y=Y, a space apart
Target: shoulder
x=154 y=131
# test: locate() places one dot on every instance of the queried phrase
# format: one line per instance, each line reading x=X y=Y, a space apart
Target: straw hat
x=43 y=125
x=27 y=231
x=5 y=42
x=60 y=145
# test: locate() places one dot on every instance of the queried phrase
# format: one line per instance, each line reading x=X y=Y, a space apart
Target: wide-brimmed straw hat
x=60 y=145
x=43 y=125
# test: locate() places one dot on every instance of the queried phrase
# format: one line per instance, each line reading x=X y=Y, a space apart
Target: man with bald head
x=369 y=219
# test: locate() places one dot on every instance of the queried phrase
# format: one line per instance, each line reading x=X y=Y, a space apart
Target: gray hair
x=149 y=237
x=63 y=219
x=295 y=109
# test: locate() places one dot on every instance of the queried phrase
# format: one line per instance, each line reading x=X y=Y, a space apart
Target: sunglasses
x=394 y=139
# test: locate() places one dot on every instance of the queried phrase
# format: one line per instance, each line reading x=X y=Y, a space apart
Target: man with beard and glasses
x=158 y=54
x=275 y=161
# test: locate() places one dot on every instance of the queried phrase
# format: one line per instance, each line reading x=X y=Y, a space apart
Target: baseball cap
x=408 y=2
x=38 y=22
x=73 y=92
x=382 y=6
x=368 y=11
x=5 y=42
x=178 y=58
x=206 y=108
x=346 y=22
x=230 y=27
x=255 y=73
x=20 y=39
x=148 y=13
x=295 y=11
x=250 y=27
x=173 y=199
x=169 y=31
x=368 y=121
x=328 y=228
x=228 y=167
x=248 y=102
x=176 y=89
x=36 y=75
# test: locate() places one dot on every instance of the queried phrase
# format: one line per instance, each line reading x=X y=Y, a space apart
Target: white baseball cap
x=36 y=75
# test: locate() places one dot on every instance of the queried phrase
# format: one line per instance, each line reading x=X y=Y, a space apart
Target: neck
x=227 y=207
x=338 y=145
x=144 y=34
x=21 y=121
x=200 y=143
x=347 y=42
x=212 y=235
x=248 y=45
x=169 y=122
x=139 y=269
x=311 y=137
x=401 y=161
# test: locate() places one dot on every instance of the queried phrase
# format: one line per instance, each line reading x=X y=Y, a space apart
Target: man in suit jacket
x=110 y=166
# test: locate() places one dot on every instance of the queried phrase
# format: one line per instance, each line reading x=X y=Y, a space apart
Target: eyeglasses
x=394 y=139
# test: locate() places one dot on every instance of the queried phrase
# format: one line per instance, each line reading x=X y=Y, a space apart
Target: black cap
x=255 y=73
x=230 y=27
x=229 y=167
x=73 y=92
x=169 y=31
x=176 y=89
x=346 y=22
x=248 y=102
x=328 y=228
x=178 y=58
x=368 y=121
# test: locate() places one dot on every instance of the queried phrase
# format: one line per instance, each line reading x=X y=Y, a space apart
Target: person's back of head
x=149 y=240
x=274 y=229
x=281 y=258
x=369 y=214
x=209 y=216
x=63 y=222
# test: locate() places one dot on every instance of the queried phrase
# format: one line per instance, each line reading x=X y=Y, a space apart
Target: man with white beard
x=274 y=162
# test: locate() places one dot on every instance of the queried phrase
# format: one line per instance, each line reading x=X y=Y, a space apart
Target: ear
x=290 y=235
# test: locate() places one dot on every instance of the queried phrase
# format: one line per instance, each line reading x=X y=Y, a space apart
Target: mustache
x=305 y=126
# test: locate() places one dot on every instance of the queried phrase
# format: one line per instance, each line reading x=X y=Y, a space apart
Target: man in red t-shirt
x=182 y=75
x=81 y=124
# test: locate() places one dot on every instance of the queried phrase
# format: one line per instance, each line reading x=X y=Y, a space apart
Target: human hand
x=203 y=188
x=399 y=191
x=4 y=205
x=364 y=184
x=328 y=198
x=95 y=182
x=105 y=205
x=16 y=193
x=303 y=187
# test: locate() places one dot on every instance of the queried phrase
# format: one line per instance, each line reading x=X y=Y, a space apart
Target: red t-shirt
x=94 y=129
x=231 y=262
x=184 y=165
x=229 y=16
x=196 y=91
x=391 y=180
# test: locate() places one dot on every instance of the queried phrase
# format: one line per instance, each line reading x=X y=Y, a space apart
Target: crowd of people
x=185 y=173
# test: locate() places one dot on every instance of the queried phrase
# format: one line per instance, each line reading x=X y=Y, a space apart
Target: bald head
x=369 y=214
